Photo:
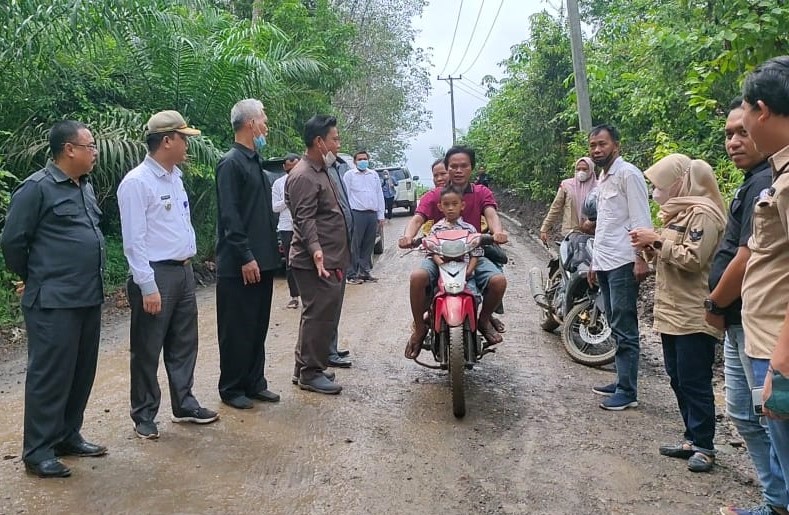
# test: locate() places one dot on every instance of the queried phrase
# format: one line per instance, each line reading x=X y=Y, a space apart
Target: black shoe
x=328 y=374
x=682 y=450
x=52 y=467
x=240 y=402
x=321 y=385
x=340 y=363
x=343 y=353
x=265 y=396
x=146 y=430
x=82 y=449
x=369 y=278
x=197 y=416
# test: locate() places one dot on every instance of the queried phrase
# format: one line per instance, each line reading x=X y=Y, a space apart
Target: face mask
x=582 y=176
x=260 y=142
x=660 y=196
x=604 y=162
x=329 y=158
x=362 y=165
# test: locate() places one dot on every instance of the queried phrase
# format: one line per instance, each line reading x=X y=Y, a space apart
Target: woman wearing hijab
x=569 y=201
x=694 y=216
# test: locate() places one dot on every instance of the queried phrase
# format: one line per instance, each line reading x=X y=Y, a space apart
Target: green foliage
x=113 y=64
x=662 y=72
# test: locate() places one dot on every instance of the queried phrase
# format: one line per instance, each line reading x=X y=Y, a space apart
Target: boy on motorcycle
x=478 y=201
x=452 y=206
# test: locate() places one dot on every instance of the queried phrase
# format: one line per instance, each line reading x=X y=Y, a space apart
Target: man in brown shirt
x=765 y=289
x=319 y=252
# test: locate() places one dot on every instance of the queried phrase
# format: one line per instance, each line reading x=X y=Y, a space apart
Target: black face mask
x=604 y=163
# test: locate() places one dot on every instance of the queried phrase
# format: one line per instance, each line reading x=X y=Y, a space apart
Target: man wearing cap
x=285 y=225
x=52 y=240
x=247 y=257
x=159 y=241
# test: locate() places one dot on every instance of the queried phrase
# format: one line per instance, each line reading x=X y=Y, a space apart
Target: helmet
x=590 y=205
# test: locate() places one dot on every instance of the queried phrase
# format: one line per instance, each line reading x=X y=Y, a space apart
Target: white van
x=406 y=186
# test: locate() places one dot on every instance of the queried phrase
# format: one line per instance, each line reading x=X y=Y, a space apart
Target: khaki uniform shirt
x=765 y=289
x=563 y=207
x=683 y=264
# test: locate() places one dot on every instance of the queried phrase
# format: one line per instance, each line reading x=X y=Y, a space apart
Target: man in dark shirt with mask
x=53 y=242
x=247 y=257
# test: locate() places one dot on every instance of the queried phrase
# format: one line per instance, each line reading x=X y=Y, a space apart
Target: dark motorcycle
x=567 y=300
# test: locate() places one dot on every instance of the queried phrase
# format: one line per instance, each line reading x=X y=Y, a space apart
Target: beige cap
x=169 y=121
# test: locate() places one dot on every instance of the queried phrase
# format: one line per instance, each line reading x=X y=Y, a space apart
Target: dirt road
x=534 y=440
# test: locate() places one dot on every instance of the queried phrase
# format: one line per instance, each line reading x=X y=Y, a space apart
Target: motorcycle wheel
x=547 y=321
x=457 y=366
x=591 y=346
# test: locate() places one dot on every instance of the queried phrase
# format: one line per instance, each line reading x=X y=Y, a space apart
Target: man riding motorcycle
x=479 y=200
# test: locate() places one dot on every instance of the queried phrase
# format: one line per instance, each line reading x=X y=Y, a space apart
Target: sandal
x=498 y=325
x=683 y=450
x=492 y=337
x=293 y=304
x=414 y=345
x=701 y=462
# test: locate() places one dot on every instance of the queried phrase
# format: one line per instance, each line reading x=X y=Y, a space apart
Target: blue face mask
x=362 y=165
x=260 y=142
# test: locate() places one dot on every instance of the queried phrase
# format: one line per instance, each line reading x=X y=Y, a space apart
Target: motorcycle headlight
x=453 y=248
x=453 y=287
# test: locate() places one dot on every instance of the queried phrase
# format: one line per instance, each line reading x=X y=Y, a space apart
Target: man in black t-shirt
x=724 y=306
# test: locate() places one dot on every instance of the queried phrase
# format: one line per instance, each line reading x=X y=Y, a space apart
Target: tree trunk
x=257 y=10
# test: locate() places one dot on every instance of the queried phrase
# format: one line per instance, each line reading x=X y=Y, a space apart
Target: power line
x=471 y=92
x=471 y=37
x=452 y=45
x=476 y=87
x=495 y=19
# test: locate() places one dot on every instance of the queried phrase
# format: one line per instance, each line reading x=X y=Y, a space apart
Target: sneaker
x=764 y=509
x=618 y=402
x=197 y=416
x=146 y=430
x=369 y=279
x=354 y=280
x=607 y=390
x=328 y=373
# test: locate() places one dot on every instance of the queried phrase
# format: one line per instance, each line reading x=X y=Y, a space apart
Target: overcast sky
x=436 y=27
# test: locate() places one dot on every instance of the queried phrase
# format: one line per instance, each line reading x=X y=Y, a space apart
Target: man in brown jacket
x=319 y=252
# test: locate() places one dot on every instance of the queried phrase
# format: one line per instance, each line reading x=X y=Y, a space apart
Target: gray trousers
x=365 y=225
x=321 y=300
x=62 y=350
x=174 y=331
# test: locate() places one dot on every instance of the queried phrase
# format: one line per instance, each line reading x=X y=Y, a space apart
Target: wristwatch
x=713 y=308
x=657 y=244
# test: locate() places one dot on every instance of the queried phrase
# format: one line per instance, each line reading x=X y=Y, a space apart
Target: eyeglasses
x=89 y=146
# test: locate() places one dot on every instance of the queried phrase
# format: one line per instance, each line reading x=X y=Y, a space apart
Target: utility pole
x=579 y=67
x=451 y=81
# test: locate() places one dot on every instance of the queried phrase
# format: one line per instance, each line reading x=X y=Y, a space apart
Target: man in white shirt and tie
x=159 y=242
x=367 y=205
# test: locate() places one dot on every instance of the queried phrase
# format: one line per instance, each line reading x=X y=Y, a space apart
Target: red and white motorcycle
x=452 y=316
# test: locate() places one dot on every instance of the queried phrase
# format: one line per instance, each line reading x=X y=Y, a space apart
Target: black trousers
x=173 y=331
x=389 y=203
x=321 y=300
x=242 y=316
x=62 y=350
x=689 y=359
x=286 y=237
